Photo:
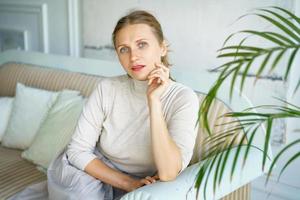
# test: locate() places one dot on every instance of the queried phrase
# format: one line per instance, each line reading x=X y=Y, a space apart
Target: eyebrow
x=142 y=39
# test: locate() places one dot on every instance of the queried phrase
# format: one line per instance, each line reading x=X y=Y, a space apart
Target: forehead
x=134 y=32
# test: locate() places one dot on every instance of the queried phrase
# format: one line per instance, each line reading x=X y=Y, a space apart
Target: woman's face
x=138 y=50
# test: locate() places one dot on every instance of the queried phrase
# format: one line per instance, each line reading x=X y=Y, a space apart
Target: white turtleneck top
x=116 y=120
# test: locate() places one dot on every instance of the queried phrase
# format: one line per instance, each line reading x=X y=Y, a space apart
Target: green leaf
x=263 y=65
x=294 y=157
x=249 y=48
x=278 y=57
x=297 y=87
x=238 y=54
x=244 y=75
x=242 y=114
x=283 y=38
x=239 y=147
x=284 y=20
x=250 y=142
x=228 y=38
x=280 y=26
x=290 y=63
x=228 y=64
x=237 y=69
x=266 y=35
x=279 y=155
x=208 y=173
x=228 y=151
x=294 y=17
x=267 y=140
x=237 y=121
x=200 y=175
x=217 y=171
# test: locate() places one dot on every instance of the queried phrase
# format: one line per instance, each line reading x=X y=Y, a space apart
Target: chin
x=139 y=78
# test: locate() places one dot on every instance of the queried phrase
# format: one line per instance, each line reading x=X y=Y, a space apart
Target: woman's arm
x=101 y=171
x=166 y=154
x=173 y=144
x=80 y=151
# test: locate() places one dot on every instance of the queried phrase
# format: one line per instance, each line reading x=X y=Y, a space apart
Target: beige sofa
x=17 y=173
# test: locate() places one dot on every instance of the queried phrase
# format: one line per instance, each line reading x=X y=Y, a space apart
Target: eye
x=123 y=50
x=142 y=45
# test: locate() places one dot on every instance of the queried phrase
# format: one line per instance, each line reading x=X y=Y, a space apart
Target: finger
x=156 y=177
x=156 y=71
x=150 y=81
x=159 y=79
x=163 y=67
x=149 y=178
x=146 y=182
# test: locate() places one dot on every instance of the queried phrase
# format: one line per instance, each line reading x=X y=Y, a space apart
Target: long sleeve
x=182 y=125
x=80 y=151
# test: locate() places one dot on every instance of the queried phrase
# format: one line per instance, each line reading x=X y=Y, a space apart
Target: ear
x=164 y=48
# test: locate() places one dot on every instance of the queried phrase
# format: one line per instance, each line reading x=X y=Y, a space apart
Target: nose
x=134 y=55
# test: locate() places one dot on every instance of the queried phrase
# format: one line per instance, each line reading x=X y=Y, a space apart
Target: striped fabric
x=16 y=173
x=242 y=193
x=202 y=147
x=44 y=78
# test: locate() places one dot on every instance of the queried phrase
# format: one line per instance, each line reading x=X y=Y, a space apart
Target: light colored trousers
x=66 y=182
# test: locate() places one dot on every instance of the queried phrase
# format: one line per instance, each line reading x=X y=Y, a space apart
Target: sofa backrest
x=219 y=125
x=57 y=79
x=44 y=78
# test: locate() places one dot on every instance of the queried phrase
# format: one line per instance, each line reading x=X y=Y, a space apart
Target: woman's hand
x=158 y=81
x=136 y=183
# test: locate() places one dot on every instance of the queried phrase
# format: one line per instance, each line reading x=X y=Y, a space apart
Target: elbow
x=167 y=176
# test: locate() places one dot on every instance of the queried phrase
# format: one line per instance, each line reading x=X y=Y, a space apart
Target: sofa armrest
x=183 y=186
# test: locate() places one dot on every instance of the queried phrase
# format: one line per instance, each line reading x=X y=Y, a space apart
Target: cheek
x=154 y=55
x=123 y=60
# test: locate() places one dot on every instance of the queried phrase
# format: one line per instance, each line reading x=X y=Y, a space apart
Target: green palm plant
x=240 y=58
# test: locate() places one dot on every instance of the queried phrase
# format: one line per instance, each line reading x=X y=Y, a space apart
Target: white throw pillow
x=5 y=111
x=56 y=130
x=30 y=108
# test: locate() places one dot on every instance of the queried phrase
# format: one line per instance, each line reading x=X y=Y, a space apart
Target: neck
x=139 y=87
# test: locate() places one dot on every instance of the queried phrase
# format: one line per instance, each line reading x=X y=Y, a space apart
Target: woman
x=135 y=128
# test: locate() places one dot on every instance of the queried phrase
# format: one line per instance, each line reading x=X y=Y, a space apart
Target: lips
x=137 y=67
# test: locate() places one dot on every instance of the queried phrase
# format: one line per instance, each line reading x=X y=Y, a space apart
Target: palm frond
x=282 y=27
x=294 y=17
x=290 y=62
x=240 y=59
x=283 y=19
x=292 y=144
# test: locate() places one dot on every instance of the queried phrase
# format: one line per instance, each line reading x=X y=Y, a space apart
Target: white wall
x=48 y=24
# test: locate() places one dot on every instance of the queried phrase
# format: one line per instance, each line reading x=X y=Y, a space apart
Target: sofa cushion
x=5 y=111
x=57 y=129
x=30 y=108
x=16 y=173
